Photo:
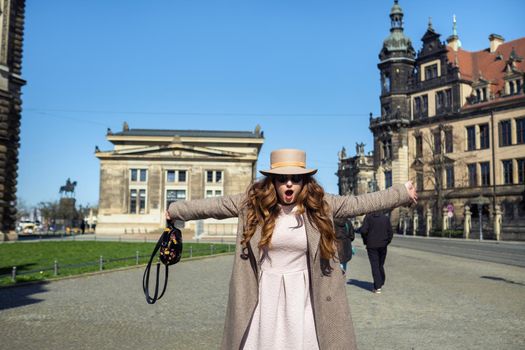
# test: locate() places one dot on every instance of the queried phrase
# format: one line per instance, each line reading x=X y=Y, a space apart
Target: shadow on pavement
x=502 y=280
x=12 y=297
x=361 y=284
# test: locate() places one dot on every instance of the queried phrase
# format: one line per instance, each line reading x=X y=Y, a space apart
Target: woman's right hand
x=167 y=215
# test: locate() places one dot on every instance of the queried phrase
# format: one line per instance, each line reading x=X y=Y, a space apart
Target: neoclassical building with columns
x=453 y=121
x=148 y=169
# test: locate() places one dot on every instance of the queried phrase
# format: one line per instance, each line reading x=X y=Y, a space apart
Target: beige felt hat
x=288 y=162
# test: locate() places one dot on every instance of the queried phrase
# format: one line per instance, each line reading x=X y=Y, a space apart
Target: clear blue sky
x=306 y=71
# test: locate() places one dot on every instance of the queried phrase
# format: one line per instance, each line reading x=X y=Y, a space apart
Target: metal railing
x=102 y=262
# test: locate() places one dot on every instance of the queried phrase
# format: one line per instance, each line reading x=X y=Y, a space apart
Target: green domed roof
x=397 y=41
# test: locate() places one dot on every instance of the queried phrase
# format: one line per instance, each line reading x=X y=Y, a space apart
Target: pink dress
x=284 y=318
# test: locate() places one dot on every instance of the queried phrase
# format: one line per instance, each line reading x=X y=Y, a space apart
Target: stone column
x=497 y=222
x=429 y=221
x=445 y=219
x=466 y=222
x=415 y=223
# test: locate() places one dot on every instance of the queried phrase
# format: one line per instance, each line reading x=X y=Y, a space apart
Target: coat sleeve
x=349 y=206
x=216 y=207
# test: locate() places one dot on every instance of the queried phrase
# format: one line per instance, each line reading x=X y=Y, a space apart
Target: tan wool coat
x=328 y=294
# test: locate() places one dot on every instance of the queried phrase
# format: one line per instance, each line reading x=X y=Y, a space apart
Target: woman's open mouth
x=288 y=195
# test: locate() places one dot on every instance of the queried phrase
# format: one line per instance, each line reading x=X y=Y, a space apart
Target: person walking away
x=377 y=235
x=344 y=233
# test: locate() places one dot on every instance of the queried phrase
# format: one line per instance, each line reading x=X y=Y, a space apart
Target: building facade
x=355 y=174
x=149 y=169
x=11 y=82
x=453 y=122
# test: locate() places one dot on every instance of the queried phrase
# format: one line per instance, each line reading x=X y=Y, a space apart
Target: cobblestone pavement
x=430 y=301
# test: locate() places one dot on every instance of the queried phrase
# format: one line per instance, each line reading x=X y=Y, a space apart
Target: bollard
x=55 y=268
x=191 y=251
x=13 y=274
x=137 y=255
x=120 y=238
x=101 y=263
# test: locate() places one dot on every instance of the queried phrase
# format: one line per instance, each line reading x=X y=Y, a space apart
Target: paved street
x=430 y=301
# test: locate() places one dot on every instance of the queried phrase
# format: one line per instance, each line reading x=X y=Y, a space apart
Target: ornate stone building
x=149 y=169
x=11 y=82
x=355 y=174
x=453 y=121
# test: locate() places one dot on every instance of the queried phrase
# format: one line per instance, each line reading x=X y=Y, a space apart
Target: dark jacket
x=344 y=232
x=376 y=230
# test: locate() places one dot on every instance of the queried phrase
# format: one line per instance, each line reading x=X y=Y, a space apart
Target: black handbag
x=169 y=247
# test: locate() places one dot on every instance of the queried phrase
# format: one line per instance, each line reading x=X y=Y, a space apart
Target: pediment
x=177 y=150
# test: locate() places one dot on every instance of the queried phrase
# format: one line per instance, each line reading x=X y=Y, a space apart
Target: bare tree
x=437 y=163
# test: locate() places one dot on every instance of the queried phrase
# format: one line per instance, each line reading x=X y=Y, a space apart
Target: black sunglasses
x=285 y=178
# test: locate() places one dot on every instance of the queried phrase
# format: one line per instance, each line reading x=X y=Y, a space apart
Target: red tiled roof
x=484 y=64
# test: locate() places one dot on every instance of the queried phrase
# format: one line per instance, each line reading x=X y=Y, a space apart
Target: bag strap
x=145 y=277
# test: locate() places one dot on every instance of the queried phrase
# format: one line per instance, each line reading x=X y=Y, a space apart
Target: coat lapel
x=254 y=245
x=313 y=236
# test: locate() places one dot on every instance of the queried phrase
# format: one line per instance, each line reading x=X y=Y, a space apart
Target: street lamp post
x=480 y=201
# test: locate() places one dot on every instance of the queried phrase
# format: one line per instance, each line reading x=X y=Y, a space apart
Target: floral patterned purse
x=169 y=247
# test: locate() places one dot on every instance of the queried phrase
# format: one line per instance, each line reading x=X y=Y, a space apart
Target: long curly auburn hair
x=263 y=209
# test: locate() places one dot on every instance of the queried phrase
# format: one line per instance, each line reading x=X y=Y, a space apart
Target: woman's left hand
x=411 y=191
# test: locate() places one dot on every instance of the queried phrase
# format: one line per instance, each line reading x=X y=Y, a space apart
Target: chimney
x=495 y=41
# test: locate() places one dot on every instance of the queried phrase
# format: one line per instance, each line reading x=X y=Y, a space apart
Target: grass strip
x=34 y=261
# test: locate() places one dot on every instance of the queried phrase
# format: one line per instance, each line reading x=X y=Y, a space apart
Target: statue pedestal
x=10 y=236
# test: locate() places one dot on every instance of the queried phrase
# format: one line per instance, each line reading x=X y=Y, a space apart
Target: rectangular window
x=425 y=106
x=142 y=201
x=137 y=201
x=388 y=179
x=138 y=175
x=448 y=97
x=420 y=186
x=209 y=176
x=449 y=141
x=485 y=173
x=143 y=173
x=504 y=133
x=521 y=171
x=213 y=193
x=431 y=72
x=450 y=176
x=213 y=175
x=507 y=171
x=472 y=175
x=440 y=100
x=437 y=142
x=174 y=196
x=417 y=107
x=484 y=140
x=182 y=175
x=419 y=146
x=471 y=138
x=520 y=130
x=176 y=176
x=170 y=176
x=133 y=201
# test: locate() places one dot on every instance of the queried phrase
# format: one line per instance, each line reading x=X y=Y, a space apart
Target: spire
x=453 y=40
x=396 y=41
x=430 y=24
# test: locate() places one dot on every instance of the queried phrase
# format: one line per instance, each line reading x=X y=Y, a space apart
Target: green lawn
x=35 y=260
